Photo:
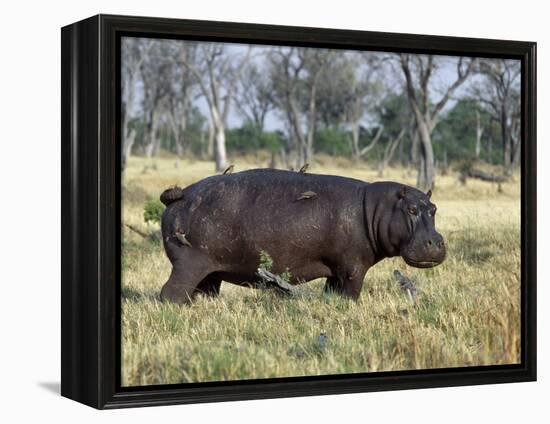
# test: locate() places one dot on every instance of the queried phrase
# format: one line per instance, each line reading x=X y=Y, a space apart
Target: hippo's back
x=263 y=209
x=256 y=181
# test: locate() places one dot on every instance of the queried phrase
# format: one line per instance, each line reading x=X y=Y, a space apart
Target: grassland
x=467 y=311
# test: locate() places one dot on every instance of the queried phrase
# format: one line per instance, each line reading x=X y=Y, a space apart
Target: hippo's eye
x=413 y=210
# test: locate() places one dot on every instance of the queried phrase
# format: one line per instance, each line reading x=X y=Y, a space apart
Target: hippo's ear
x=402 y=192
x=429 y=194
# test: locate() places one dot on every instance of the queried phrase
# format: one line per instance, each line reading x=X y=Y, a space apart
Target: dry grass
x=467 y=311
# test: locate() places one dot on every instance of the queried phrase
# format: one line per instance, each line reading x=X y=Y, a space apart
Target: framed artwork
x=254 y=211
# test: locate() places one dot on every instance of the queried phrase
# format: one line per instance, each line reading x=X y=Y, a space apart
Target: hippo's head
x=413 y=229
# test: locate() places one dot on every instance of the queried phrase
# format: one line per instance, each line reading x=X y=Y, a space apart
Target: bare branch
x=461 y=77
x=373 y=143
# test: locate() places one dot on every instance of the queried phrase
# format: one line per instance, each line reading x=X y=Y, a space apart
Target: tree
x=182 y=92
x=348 y=91
x=254 y=98
x=295 y=75
x=285 y=74
x=418 y=71
x=157 y=80
x=395 y=117
x=335 y=84
x=358 y=102
x=499 y=94
x=479 y=134
x=389 y=151
x=133 y=51
x=460 y=131
x=217 y=72
x=315 y=61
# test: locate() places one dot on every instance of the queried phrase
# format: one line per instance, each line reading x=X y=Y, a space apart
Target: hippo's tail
x=171 y=195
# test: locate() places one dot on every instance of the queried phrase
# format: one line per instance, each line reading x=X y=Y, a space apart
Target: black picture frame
x=90 y=176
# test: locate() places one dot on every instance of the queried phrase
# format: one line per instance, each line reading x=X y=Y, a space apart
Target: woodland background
x=420 y=112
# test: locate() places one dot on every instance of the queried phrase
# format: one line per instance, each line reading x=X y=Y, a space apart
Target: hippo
x=310 y=225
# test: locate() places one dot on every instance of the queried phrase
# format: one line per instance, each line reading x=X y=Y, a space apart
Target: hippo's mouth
x=420 y=264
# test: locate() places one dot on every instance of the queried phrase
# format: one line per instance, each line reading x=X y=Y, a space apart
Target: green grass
x=467 y=311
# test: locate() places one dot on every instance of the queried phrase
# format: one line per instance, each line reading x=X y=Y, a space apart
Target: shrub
x=152 y=212
x=266 y=262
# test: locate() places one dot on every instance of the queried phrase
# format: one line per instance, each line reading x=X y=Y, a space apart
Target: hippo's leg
x=352 y=287
x=347 y=283
x=333 y=285
x=188 y=271
x=210 y=286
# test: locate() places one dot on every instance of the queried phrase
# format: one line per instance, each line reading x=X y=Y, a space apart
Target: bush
x=265 y=260
x=266 y=263
x=152 y=212
x=248 y=138
x=333 y=142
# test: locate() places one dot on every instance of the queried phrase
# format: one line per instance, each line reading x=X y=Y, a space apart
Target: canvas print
x=297 y=211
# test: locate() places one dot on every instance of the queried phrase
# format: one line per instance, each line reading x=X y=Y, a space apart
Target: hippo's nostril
x=440 y=244
x=429 y=243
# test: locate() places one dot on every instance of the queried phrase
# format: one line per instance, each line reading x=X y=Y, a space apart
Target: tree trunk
x=284 y=158
x=490 y=150
x=203 y=145
x=483 y=176
x=300 y=157
x=273 y=160
x=515 y=142
x=157 y=139
x=152 y=141
x=355 y=140
x=421 y=174
x=179 y=134
x=151 y=134
x=389 y=151
x=505 y=139
x=127 y=138
x=479 y=134
x=426 y=170
x=127 y=149
x=179 y=144
x=373 y=143
x=124 y=134
x=308 y=156
x=445 y=165
x=149 y=150
x=220 y=154
x=425 y=118
x=414 y=146
x=516 y=154
x=308 y=151
x=210 y=141
x=507 y=153
x=297 y=137
x=401 y=154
